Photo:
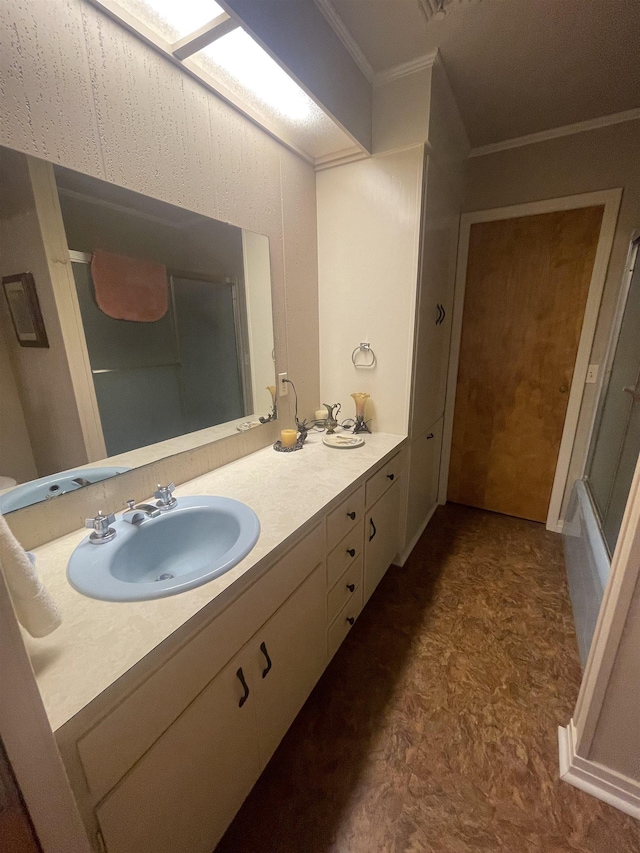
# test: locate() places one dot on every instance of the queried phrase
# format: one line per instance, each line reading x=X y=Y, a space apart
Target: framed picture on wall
x=24 y=308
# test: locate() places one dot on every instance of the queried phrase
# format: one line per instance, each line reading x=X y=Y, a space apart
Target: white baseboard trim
x=402 y=558
x=613 y=788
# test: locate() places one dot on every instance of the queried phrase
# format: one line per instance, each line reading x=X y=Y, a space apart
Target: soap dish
x=278 y=446
x=344 y=442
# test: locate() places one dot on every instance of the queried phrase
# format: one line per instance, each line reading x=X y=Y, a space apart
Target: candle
x=321 y=414
x=288 y=437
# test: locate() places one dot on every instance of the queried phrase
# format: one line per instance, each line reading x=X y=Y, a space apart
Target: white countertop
x=99 y=641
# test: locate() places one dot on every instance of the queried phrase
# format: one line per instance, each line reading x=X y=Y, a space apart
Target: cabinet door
x=438 y=254
x=289 y=655
x=186 y=789
x=424 y=475
x=381 y=538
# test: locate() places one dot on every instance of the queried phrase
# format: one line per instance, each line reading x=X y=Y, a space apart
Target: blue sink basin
x=55 y=484
x=184 y=547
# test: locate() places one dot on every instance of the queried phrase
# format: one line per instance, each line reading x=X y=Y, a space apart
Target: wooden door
x=289 y=656
x=527 y=286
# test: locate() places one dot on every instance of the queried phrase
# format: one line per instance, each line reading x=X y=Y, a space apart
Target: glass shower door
x=617 y=439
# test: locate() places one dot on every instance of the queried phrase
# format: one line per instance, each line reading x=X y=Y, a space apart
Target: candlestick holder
x=360 y=398
x=273 y=414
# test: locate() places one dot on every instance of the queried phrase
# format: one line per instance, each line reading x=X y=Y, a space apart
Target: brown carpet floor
x=434 y=729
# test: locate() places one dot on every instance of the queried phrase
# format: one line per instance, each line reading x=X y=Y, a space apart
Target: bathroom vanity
x=167 y=711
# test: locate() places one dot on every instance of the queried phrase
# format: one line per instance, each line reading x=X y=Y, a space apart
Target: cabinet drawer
x=378 y=484
x=342 y=555
x=345 y=517
x=344 y=589
x=341 y=625
x=113 y=746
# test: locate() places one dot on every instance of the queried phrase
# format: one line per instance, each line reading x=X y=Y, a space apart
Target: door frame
x=611 y=200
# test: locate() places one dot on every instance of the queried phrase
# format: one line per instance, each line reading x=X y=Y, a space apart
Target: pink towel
x=128 y=288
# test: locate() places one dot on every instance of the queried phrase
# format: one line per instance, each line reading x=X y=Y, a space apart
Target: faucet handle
x=165 y=496
x=100 y=527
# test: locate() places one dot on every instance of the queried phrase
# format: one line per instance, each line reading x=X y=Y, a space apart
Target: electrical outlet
x=592 y=374
x=283 y=387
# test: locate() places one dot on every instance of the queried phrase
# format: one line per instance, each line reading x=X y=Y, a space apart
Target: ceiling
x=516 y=66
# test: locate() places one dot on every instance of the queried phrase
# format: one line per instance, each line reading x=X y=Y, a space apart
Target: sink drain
x=165 y=577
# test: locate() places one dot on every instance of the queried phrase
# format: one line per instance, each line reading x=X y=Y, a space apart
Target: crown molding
x=340 y=158
x=406 y=68
x=556 y=132
x=344 y=34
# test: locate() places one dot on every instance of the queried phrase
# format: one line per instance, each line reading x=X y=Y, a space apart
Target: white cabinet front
x=289 y=655
x=381 y=538
x=184 y=792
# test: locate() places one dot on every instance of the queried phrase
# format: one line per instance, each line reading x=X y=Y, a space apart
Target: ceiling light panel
x=173 y=19
x=241 y=64
x=250 y=73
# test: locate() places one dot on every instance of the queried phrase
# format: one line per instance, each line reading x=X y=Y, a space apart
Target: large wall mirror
x=174 y=329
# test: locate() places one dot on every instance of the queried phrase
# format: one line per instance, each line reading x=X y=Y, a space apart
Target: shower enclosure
x=598 y=501
x=179 y=374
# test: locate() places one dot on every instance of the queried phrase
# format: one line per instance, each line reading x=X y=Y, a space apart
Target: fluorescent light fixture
x=173 y=19
x=248 y=70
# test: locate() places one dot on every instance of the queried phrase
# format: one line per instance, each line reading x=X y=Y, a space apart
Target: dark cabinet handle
x=352 y=516
x=429 y=436
x=350 y=620
x=351 y=552
x=373 y=529
x=240 y=675
x=391 y=477
x=351 y=587
x=263 y=649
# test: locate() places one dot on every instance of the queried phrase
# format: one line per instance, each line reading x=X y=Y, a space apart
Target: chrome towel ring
x=365 y=348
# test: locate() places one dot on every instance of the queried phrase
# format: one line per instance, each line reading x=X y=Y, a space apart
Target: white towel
x=35 y=609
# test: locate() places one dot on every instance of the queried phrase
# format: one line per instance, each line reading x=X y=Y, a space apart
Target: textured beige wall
x=42 y=374
x=81 y=91
x=596 y=160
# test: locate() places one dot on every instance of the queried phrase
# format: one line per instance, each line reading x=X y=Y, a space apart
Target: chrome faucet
x=165 y=497
x=102 y=532
x=136 y=514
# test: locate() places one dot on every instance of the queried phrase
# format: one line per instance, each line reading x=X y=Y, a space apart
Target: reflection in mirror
x=173 y=316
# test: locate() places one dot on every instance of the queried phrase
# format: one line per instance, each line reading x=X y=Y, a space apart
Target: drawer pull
x=391 y=477
x=351 y=587
x=373 y=529
x=263 y=649
x=351 y=552
x=350 y=620
x=352 y=516
x=240 y=675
